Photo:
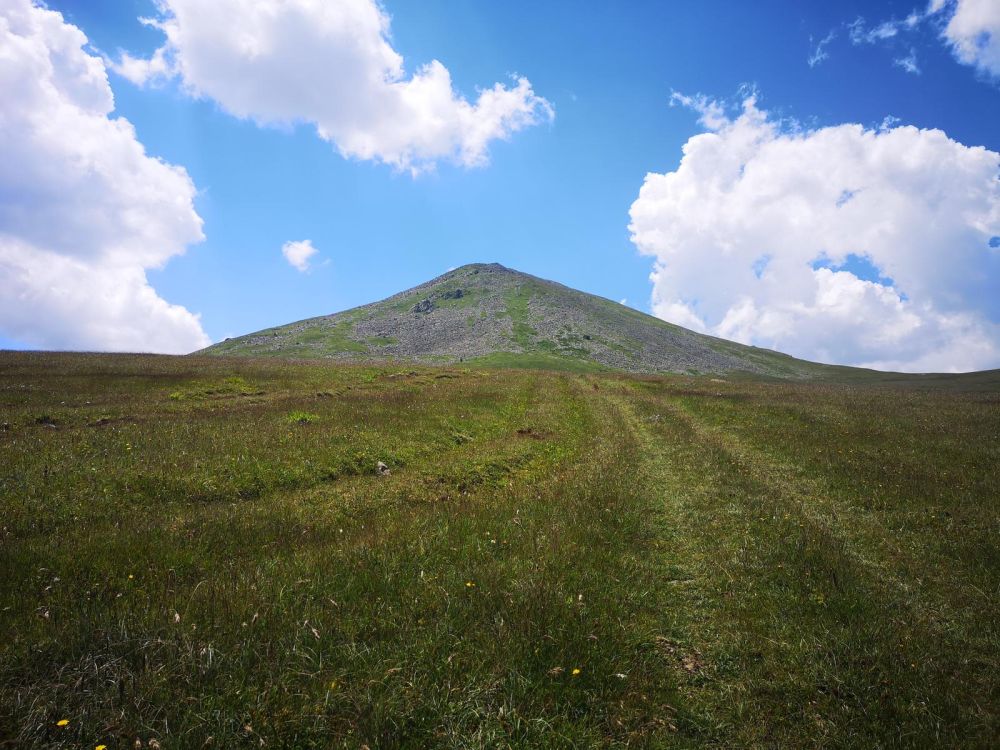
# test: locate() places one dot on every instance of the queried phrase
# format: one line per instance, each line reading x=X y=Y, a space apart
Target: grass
x=540 y=360
x=556 y=559
x=313 y=338
x=516 y=302
x=330 y=339
x=302 y=417
x=470 y=297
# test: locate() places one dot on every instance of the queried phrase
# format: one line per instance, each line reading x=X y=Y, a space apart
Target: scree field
x=201 y=552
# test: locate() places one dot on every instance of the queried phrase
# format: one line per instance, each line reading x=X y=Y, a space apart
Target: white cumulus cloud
x=872 y=247
x=330 y=63
x=298 y=254
x=973 y=31
x=84 y=211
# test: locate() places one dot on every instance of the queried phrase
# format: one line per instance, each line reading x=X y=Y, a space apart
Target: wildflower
x=470 y=585
x=62 y=723
x=101 y=747
x=130 y=576
x=576 y=671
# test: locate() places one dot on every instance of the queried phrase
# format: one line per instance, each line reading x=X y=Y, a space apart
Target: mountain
x=491 y=315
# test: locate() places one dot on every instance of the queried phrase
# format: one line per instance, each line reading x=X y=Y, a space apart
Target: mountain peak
x=489 y=314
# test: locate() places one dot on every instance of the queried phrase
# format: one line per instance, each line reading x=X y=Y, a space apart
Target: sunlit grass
x=552 y=559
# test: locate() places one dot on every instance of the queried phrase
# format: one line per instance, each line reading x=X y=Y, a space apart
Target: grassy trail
x=804 y=609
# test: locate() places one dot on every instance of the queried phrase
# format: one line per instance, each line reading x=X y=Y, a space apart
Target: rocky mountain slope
x=492 y=315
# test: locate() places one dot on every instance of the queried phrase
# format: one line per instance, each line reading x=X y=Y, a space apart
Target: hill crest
x=486 y=313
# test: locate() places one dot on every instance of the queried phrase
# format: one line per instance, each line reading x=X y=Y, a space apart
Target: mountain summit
x=489 y=314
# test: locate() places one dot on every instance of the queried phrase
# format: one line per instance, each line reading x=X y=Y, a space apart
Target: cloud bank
x=330 y=63
x=870 y=247
x=84 y=211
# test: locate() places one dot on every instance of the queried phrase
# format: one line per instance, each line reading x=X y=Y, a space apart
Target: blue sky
x=554 y=198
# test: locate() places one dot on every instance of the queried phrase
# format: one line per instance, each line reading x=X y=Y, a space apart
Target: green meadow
x=202 y=552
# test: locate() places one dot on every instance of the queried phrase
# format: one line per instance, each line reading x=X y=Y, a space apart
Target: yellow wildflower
x=470 y=585
x=101 y=747
x=576 y=671
x=62 y=723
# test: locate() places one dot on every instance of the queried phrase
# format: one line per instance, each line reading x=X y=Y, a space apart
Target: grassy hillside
x=489 y=315
x=200 y=551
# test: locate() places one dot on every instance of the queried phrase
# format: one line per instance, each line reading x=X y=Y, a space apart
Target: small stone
x=382 y=470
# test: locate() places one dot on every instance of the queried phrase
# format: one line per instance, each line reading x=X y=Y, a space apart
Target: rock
x=424 y=306
x=455 y=294
x=382 y=470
